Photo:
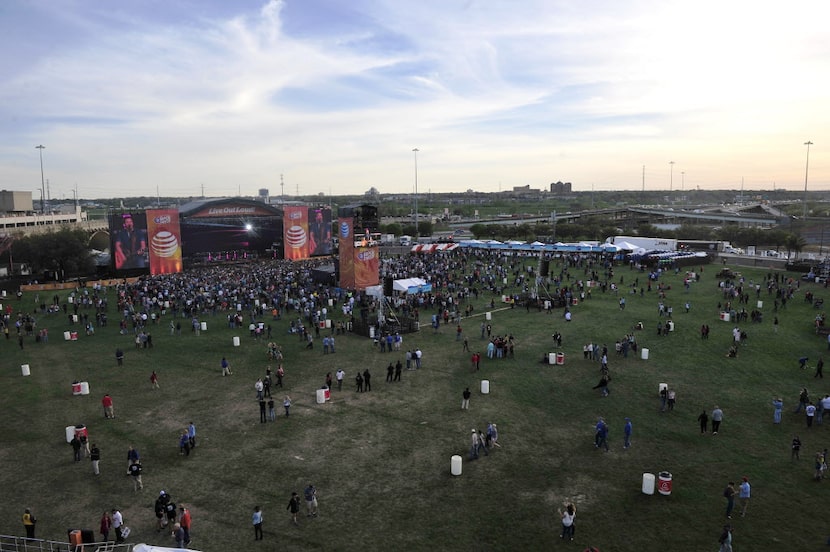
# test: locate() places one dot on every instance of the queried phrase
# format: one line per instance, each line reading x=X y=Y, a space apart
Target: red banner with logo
x=366 y=266
x=295 y=232
x=164 y=239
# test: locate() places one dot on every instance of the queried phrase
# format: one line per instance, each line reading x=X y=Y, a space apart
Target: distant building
x=560 y=187
x=15 y=202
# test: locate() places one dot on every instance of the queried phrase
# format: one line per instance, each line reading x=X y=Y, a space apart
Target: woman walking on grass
x=568 y=517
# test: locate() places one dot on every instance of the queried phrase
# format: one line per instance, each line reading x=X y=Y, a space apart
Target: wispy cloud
x=336 y=95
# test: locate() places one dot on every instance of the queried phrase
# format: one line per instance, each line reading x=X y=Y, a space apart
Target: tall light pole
x=671 y=175
x=806 y=172
x=42 y=181
x=415 y=152
x=682 y=180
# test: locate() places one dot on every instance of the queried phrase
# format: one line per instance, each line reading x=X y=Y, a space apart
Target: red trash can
x=664 y=483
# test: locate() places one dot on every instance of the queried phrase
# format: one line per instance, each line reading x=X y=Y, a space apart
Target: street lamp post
x=806 y=172
x=682 y=180
x=42 y=181
x=415 y=151
x=671 y=175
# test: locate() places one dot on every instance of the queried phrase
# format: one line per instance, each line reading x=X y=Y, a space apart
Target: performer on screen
x=319 y=235
x=130 y=246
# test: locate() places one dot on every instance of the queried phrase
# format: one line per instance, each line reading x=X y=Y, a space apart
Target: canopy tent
x=433 y=247
x=411 y=285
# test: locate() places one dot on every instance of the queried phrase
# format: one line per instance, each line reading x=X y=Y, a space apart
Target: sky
x=192 y=97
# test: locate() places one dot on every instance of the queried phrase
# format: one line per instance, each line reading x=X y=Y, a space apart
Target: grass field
x=381 y=460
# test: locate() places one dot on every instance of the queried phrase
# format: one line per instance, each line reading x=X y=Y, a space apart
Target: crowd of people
x=286 y=289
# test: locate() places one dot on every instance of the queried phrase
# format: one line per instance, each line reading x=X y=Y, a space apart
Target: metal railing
x=22 y=544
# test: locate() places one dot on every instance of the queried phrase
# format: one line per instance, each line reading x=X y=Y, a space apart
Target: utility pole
x=671 y=176
x=806 y=172
x=415 y=151
x=42 y=183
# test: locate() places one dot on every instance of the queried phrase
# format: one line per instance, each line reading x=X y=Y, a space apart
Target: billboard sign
x=165 y=241
x=295 y=233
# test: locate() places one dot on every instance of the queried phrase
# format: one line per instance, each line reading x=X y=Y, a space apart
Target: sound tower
x=388 y=287
x=544 y=267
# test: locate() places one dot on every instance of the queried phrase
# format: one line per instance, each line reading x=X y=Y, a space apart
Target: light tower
x=43 y=182
x=415 y=151
x=806 y=173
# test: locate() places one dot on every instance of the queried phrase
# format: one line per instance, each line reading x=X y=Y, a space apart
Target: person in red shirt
x=106 y=525
x=184 y=521
x=108 y=408
x=475 y=360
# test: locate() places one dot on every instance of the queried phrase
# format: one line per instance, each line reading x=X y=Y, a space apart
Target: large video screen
x=128 y=235
x=319 y=231
x=307 y=232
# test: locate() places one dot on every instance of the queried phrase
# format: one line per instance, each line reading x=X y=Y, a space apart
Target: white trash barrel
x=321 y=396
x=236 y=341
x=25 y=369
x=488 y=315
x=84 y=388
x=760 y=304
x=70 y=433
x=204 y=326
x=455 y=465
x=485 y=387
x=67 y=336
x=648 y=483
x=551 y=358
x=644 y=354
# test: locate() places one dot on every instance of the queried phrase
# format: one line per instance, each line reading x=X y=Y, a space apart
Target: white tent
x=407 y=284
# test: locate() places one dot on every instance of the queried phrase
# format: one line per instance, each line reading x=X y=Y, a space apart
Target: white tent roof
x=406 y=283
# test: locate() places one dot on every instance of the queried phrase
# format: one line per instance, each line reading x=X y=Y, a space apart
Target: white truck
x=405 y=240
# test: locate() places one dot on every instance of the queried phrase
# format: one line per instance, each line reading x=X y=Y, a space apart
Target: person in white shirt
x=117 y=524
x=811 y=413
x=568 y=516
